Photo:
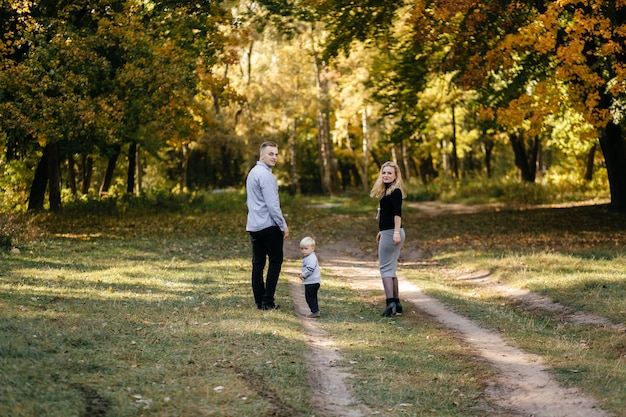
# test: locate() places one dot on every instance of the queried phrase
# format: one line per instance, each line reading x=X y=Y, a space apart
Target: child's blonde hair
x=307 y=241
x=379 y=189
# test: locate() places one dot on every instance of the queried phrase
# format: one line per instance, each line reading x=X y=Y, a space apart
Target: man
x=266 y=225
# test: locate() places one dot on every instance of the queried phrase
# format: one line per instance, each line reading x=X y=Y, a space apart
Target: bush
x=6 y=232
x=509 y=190
x=158 y=201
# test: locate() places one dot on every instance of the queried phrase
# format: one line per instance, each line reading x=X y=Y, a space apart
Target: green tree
x=511 y=47
x=47 y=89
x=96 y=78
x=589 y=44
x=288 y=90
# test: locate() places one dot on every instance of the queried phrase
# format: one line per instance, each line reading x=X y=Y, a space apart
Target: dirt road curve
x=523 y=386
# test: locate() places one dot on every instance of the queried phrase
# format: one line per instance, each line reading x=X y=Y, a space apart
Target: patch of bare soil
x=523 y=387
x=533 y=300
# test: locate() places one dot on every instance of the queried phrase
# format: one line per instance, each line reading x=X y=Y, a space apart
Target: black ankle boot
x=398 y=306
x=391 y=308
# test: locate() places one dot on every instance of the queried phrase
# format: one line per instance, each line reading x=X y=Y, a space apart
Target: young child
x=310 y=275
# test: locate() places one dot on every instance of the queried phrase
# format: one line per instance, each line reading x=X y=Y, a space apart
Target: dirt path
x=330 y=391
x=523 y=385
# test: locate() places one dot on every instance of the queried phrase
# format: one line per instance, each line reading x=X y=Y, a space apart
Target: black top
x=390 y=206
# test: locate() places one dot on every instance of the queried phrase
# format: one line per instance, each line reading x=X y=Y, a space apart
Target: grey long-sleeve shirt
x=311 y=273
x=262 y=199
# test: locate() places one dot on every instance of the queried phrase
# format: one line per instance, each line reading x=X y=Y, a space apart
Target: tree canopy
x=113 y=97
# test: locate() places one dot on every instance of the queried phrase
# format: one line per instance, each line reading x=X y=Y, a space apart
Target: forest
x=108 y=98
x=127 y=129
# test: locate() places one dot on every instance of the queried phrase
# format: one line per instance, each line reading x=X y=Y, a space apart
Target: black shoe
x=270 y=306
x=391 y=308
x=398 y=306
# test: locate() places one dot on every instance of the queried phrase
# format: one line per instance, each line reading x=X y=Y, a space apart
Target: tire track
x=331 y=394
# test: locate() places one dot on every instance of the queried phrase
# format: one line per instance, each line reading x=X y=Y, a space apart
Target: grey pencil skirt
x=388 y=253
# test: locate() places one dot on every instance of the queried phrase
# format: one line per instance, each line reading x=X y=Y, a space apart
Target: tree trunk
x=184 y=177
x=526 y=161
x=138 y=171
x=328 y=165
x=87 y=174
x=108 y=174
x=130 y=172
x=614 y=151
x=294 y=183
x=47 y=174
x=366 y=140
x=445 y=157
x=71 y=174
x=323 y=152
x=249 y=72
x=455 y=158
x=488 y=146
x=359 y=178
x=38 y=186
x=406 y=171
x=591 y=156
x=54 y=177
x=394 y=153
x=426 y=169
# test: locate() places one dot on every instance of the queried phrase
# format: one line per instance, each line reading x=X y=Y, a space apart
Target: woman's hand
x=396 y=238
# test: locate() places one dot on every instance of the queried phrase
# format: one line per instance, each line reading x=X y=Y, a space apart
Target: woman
x=389 y=188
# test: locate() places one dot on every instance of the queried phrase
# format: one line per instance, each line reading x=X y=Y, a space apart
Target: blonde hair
x=380 y=189
x=307 y=241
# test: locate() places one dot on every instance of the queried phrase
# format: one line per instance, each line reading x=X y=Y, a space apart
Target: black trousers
x=310 y=295
x=267 y=244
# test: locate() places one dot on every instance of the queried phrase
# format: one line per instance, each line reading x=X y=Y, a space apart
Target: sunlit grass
x=165 y=332
x=150 y=312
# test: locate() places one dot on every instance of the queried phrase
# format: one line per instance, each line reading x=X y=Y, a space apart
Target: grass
x=146 y=331
x=142 y=316
x=574 y=256
x=146 y=312
x=581 y=355
x=407 y=366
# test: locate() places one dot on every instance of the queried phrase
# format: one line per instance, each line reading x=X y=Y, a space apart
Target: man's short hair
x=268 y=144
